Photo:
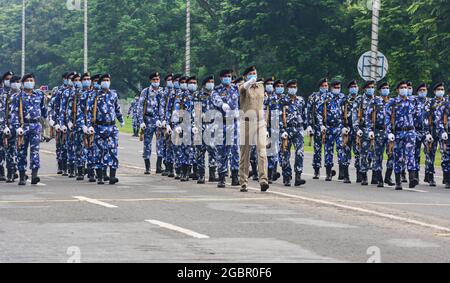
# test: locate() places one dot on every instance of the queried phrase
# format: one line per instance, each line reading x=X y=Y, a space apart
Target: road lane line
x=95 y=201
x=362 y=210
x=177 y=229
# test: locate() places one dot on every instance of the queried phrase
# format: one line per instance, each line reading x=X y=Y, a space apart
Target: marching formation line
x=95 y=201
x=178 y=229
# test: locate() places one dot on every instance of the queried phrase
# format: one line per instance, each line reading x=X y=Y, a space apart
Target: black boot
x=212 y=175
x=287 y=181
x=316 y=174
x=159 y=169
x=112 y=178
x=100 y=180
x=398 y=182
x=364 y=180
x=147 y=167
x=380 y=179
x=188 y=171
x=22 y=180
x=413 y=182
x=275 y=174
x=329 y=174
x=374 y=178
x=34 y=177
x=10 y=177
x=404 y=180
x=171 y=171
x=346 y=175
x=183 y=173
x=447 y=178
x=177 y=173
x=72 y=171
x=427 y=178
x=201 y=177
x=60 y=171
x=80 y=175
x=341 y=173
x=166 y=170
x=91 y=175
x=221 y=183
x=105 y=175
x=358 y=177
x=194 y=175
x=431 y=180
x=270 y=174
x=298 y=180
x=388 y=178
x=64 y=169
x=254 y=173
x=2 y=174
x=235 y=178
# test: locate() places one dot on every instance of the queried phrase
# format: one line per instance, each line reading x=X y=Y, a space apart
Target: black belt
x=31 y=121
x=404 y=129
x=105 y=123
x=294 y=125
x=333 y=125
x=379 y=128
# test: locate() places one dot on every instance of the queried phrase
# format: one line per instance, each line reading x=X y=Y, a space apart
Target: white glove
x=371 y=135
x=445 y=136
x=91 y=130
x=195 y=130
x=19 y=132
x=323 y=129
x=7 y=131
x=178 y=130
x=285 y=136
x=429 y=138
x=51 y=123
x=226 y=107
x=345 y=131
x=391 y=137
x=360 y=133
x=250 y=83
x=58 y=128
x=310 y=131
x=70 y=125
x=169 y=130
x=159 y=124
x=164 y=124
x=64 y=129
x=143 y=126
x=85 y=129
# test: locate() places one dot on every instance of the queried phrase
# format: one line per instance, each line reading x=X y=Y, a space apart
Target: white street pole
x=376 y=5
x=85 y=36
x=188 y=37
x=23 y=37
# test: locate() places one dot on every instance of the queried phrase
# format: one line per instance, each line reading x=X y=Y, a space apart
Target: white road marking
x=94 y=201
x=416 y=191
x=177 y=229
x=362 y=210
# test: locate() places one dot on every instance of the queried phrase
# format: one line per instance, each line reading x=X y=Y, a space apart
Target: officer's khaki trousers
x=253 y=132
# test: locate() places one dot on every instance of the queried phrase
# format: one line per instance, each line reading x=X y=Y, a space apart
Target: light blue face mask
x=87 y=84
x=403 y=92
x=423 y=94
x=226 y=81
x=209 y=86
x=251 y=77
x=170 y=84
x=323 y=90
x=176 y=85
x=440 y=93
x=293 y=91
x=385 y=92
x=192 y=87
x=28 y=85
x=184 y=86
x=354 y=90
x=106 y=85
x=410 y=92
x=156 y=85
x=279 y=90
x=370 y=91
x=97 y=86
x=66 y=82
x=269 y=88
x=78 y=84
x=7 y=83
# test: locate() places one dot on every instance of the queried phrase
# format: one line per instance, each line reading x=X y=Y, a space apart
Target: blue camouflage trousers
x=333 y=140
x=364 y=151
x=2 y=151
x=107 y=147
x=296 y=140
x=404 y=151
x=160 y=143
x=379 y=148
x=353 y=146
x=70 y=145
x=80 y=150
x=31 y=141
x=149 y=133
x=200 y=156
x=9 y=152
x=317 y=158
x=430 y=152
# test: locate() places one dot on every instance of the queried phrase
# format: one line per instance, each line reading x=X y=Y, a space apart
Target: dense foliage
x=303 y=39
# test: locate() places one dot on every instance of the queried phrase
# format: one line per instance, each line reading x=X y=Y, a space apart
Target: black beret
x=95 y=77
x=238 y=80
x=225 y=72
x=9 y=73
x=368 y=83
x=271 y=79
x=441 y=84
x=76 y=75
x=87 y=74
x=383 y=85
x=336 y=82
x=207 y=79
x=192 y=78
x=105 y=76
x=322 y=81
x=291 y=82
x=27 y=76
x=15 y=79
x=154 y=75
x=401 y=83
x=409 y=83
x=278 y=82
x=421 y=86
x=169 y=75
x=64 y=76
x=177 y=77
x=248 y=70
x=354 y=82
x=71 y=74
x=184 y=78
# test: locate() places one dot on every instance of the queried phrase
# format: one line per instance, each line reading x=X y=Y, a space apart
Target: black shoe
x=358 y=177
x=22 y=179
x=346 y=175
x=388 y=178
x=171 y=172
x=2 y=174
x=147 y=166
x=316 y=174
x=34 y=177
x=329 y=177
x=264 y=187
x=413 y=182
x=112 y=178
x=80 y=176
x=159 y=169
x=72 y=171
x=9 y=177
x=404 y=180
x=431 y=180
x=59 y=171
x=270 y=174
x=212 y=175
x=201 y=178
x=287 y=181
x=105 y=175
x=427 y=178
x=91 y=176
x=374 y=178
x=221 y=183
x=244 y=189
x=64 y=169
x=398 y=182
x=380 y=180
x=235 y=178
x=100 y=180
x=364 y=180
x=298 y=180
x=341 y=173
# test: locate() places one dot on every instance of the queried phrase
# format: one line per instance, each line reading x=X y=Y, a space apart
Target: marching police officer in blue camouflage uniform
x=225 y=98
x=5 y=88
x=149 y=117
x=330 y=118
x=169 y=92
x=203 y=130
x=27 y=109
x=421 y=101
x=273 y=112
x=353 y=92
x=400 y=129
x=293 y=123
x=132 y=111
x=105 y=111
x=314 y=128
x=363 y=138
x=436 y=133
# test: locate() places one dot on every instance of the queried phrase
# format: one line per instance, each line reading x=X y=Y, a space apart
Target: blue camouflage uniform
x=349 y=141
x=273 y=104
x=313 y=101
x=88 y=155
x=441 y=126
x=166 y=106
x=54 y=108
x=4 y=112
x=132 y=111
x=419 y=124
x=434 y=110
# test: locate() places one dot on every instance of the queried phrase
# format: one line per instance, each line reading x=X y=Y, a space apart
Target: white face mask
x=15 y=86
x=28 y=85
x=292 y=91
x=7 y=83
x=209 y=86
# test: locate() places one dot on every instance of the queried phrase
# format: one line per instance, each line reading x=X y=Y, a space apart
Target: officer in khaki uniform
x=253 y=128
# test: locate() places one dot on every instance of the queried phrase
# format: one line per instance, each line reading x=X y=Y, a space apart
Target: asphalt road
x=156 y=219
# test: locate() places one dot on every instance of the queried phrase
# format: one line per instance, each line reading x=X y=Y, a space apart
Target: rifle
x=360 y=120
x=311 y=136
x=392 y=143
x=144 y=114
x=325 y=113
x=20 y=140
x=374 y=120
x=285 y=143
x=345 y=137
